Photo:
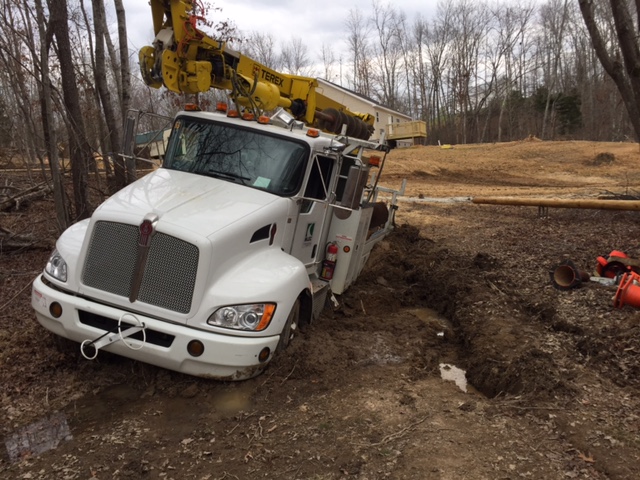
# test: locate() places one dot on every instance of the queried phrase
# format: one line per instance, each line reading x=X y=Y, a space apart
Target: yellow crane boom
x=186 y=60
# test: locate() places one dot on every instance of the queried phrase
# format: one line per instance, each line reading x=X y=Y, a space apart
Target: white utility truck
x=209 y=264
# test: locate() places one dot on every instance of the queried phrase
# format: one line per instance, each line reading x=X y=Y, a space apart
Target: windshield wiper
x=226 y=176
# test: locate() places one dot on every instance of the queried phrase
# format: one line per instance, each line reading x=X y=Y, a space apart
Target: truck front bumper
x=225 y=357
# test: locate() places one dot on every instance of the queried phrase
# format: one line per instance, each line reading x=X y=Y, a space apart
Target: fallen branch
x=290 y=373
x=16 y=295
x=10 y=241
x=397 y=435
x=32 y=193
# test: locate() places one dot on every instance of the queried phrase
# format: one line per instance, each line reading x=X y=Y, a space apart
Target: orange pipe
x=560 y=203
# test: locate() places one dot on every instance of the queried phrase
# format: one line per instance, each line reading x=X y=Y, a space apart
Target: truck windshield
x=236 y=154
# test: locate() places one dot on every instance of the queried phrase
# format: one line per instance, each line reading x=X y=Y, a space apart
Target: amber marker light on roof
x=221 y=107
x=263 y=119
x=313 y=132
x=248 y=116
x=233 y=114
x=192 y=107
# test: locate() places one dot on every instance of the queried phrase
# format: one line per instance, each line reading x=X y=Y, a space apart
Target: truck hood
x=194 y=202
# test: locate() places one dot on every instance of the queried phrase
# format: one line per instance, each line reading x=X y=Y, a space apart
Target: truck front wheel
x=290 y=327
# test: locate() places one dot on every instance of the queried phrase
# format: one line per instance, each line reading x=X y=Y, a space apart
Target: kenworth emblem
x=147 y=229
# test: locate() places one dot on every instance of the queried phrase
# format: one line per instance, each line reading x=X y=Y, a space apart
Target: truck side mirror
x=356 y=181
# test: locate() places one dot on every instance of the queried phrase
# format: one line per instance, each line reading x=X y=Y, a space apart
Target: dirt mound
x=603 y=158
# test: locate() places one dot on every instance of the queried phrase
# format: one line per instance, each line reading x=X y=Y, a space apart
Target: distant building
x=152 y=144
x=385 y=117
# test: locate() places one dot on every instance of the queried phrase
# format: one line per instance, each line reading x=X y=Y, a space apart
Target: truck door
x=310 y=231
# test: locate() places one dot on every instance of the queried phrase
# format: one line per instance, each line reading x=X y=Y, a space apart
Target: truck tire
x=290 y=328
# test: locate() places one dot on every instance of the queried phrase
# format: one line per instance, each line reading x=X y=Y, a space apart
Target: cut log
x=13 y=202
x=10 y=241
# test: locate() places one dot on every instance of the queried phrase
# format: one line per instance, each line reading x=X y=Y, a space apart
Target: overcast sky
x=313 y=22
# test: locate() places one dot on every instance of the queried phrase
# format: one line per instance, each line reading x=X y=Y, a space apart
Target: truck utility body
x=209 y=264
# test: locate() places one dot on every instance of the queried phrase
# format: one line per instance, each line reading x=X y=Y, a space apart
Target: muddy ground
x=553 y=376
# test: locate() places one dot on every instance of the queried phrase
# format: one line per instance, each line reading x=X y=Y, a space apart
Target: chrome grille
x=169 y=276
x=111 y=258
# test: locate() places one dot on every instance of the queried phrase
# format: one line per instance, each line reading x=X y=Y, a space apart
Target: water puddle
x=39 y=437
x=454 y=374
x=122 y=404
x=442 y=328
x=433 y=319
x=104 y=406
x=234 y=399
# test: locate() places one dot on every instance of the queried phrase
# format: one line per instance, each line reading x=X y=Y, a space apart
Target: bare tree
x=51 y=144
x=328 y=62
x=295 y=58
x=261 y=47
x=100 y=78
x=99 y=122
x=622 y=61
x=18 y=76
x=26 y=58
x=554 y=19
x=410 y=60
x=358 y=44
x=419 y=68
x=470 y=21
x=125 y=79
x=437 y=48
x=78 y=146
x=387 y=53
x=512 y=22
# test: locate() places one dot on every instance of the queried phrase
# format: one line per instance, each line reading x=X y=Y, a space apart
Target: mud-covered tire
x=291 y=327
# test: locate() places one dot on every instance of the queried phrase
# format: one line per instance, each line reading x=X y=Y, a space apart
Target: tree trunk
x=102 y=128
x=80 y=150
x=125 y=100
x=51 y=143
x=100 y=76
x=10 y=55
x=626 y=76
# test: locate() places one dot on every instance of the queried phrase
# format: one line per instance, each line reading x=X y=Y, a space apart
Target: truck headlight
x=254 y=317
x=56 y=266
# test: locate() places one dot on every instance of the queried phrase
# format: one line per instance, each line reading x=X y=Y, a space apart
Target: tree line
x=492 y=71
x=476 y=71
x=488 y=71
